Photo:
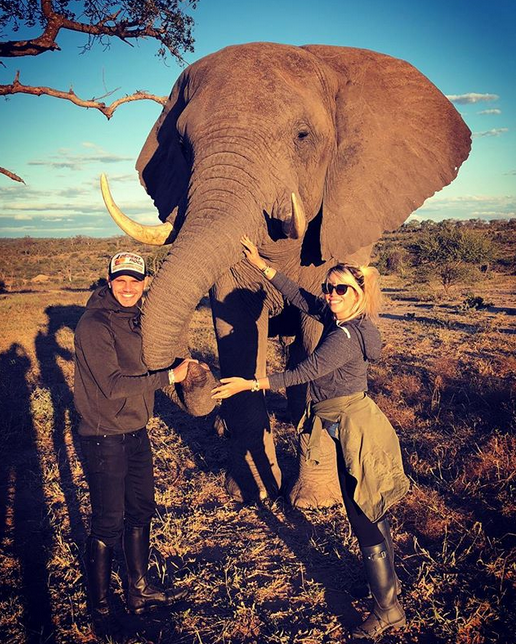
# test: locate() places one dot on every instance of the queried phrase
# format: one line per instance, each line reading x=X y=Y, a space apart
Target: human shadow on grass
x=24 y=517
x=68 y=456
x=50 y=353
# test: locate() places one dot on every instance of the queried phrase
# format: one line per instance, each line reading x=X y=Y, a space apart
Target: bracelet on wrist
x=256 y=385
x=171 y=377
x=265 y=270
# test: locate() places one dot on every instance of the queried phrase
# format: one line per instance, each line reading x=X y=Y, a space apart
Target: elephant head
x=356 y=140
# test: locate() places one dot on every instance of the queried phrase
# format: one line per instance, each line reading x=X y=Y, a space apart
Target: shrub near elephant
x=313 y=152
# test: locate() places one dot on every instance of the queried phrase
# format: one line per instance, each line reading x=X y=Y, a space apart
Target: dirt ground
x=269 y=573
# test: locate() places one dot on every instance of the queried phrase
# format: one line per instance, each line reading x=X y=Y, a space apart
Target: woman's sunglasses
x=340 y=289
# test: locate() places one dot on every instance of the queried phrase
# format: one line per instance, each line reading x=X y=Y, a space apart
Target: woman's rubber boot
x=362 y=591
x=98 y=569
x=387 y=611
x=141 y=595
x=385 y=528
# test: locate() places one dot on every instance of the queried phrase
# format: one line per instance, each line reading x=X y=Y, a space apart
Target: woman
x=370 y=467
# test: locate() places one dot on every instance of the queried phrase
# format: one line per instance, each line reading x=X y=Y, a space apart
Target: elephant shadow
x=210 y=454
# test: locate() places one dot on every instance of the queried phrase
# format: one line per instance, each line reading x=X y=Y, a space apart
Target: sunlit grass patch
x=268 y=573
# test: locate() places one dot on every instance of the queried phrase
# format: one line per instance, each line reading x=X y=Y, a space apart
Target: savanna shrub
x=393 y=259
x=475 y=302
x=102 y=281
x=450 y=252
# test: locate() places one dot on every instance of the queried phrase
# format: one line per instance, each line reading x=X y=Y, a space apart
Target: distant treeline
x=80 y=261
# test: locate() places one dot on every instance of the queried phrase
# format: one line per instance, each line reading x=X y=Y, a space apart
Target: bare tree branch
x=108 y=110
x=11 y=175
x=18 y=88
x=108 y=26
x=163 y=20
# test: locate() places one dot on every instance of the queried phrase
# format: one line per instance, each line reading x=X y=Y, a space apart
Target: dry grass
x=270 y=573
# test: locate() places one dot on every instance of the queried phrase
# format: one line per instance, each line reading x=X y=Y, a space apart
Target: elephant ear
x=161 y=164
x=399 y=140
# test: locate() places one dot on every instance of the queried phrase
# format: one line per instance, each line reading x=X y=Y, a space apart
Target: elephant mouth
x=203 y=250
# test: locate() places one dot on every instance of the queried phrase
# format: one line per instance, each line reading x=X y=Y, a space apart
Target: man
x=114 y=396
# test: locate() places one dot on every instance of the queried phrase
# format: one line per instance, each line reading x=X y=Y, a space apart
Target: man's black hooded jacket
x=113 y=390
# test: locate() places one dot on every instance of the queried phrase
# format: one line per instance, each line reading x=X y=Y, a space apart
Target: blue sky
x=465 y=47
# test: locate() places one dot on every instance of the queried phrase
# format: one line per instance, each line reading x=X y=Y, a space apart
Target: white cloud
x=70 y=165
x=438 y=200
x=493 y=132
x=16 y=192
x=493 y=214
x=472 y=97
x=78 y=161
x=114 y=177
x=493 y=111
x=467 y=207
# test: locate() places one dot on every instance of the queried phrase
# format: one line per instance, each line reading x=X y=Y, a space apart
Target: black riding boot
x=364 y=591
x=98 y=568
x=387 y=611
x=142 y=595
x=385 y=528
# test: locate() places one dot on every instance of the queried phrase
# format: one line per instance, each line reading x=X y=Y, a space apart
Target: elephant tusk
x=298 y=221
x=152 y=235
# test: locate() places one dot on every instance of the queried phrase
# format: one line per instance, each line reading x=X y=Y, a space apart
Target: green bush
x=393 y=259
x=451 y=253
x=475 y=302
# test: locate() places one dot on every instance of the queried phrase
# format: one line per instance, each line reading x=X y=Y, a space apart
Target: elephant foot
x=243 y=487
x=301 y=496
x=248 y=496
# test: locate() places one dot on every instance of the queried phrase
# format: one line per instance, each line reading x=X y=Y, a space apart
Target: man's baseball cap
x=125 y=263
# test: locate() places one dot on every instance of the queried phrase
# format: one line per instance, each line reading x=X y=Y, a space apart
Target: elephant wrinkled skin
x=361 y=139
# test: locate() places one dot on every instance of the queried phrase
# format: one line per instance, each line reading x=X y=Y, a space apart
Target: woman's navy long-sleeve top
x=338 y=365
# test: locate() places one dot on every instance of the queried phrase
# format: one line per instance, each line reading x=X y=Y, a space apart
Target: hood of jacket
x=368 y=337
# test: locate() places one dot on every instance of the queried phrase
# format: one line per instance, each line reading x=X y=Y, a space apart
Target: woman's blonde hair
x=366 y=282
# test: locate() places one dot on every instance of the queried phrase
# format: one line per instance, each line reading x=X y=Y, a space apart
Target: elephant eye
x=302 y=134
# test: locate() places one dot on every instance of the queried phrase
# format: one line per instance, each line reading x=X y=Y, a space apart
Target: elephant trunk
x=204 y=250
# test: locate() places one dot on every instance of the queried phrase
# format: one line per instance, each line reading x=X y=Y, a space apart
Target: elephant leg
x=253 y=472
x=240 y=325
x=314 y=486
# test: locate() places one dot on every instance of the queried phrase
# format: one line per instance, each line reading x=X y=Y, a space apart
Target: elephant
x=314 y=152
